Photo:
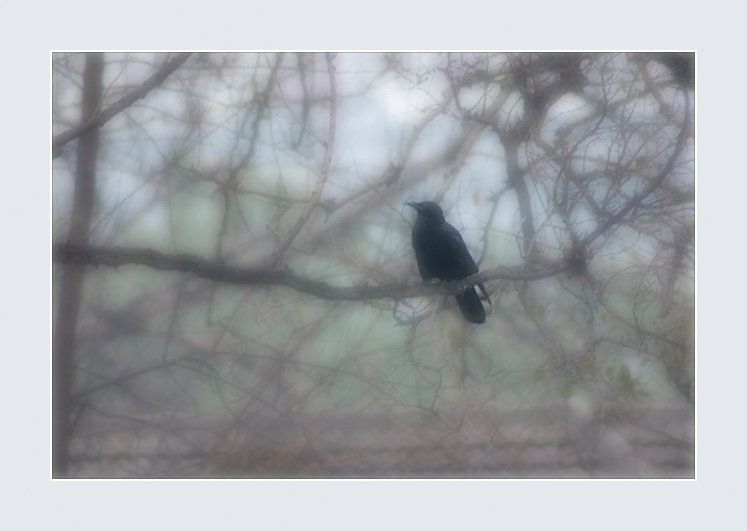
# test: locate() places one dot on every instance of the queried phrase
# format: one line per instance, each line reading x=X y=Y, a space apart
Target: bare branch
x=123 y=103
x=329 y=144
x=186 y=263
x=643 y=194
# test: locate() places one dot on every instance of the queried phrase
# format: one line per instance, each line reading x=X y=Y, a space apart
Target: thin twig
x=120 y=105
x=329 y=144
x=639 y=197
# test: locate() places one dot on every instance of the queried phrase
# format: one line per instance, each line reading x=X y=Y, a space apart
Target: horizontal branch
x=185 y=263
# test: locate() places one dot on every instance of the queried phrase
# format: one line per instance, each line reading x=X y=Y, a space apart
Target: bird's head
x=429 y=211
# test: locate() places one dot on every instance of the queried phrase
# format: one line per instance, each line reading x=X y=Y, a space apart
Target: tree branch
x=643 y=194
x=116 y=256
x=329 y=145
x=99 y=119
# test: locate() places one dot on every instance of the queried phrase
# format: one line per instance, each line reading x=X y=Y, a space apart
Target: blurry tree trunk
x=71 y=284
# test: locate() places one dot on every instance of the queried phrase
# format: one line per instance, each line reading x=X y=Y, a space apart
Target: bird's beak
x=416 y=206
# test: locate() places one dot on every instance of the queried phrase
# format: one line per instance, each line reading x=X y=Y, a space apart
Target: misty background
x=570 y=177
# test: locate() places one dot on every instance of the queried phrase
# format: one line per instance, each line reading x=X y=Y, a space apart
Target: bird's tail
x=471 y=307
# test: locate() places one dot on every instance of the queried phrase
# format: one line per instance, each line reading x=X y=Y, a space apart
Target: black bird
x=441 y=253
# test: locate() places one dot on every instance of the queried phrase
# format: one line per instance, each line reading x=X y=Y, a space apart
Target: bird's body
x=441 y=253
